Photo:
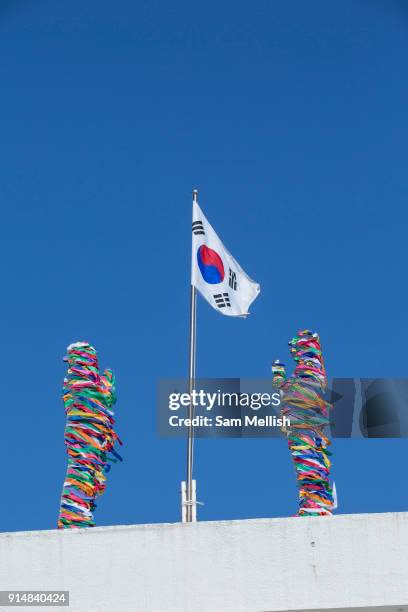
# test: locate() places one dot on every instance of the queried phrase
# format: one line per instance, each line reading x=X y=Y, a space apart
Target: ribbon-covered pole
x=307 y=411
x=89 y=435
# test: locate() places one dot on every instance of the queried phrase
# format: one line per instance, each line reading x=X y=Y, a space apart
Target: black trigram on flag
x=232 y=279
x=222 y=300
x=198 y=228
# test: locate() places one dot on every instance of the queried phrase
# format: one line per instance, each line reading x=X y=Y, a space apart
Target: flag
x=216 y=274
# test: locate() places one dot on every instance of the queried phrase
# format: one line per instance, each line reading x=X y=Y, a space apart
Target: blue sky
x=291 y=119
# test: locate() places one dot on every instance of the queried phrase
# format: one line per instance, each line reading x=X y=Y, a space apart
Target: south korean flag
x=216 y=274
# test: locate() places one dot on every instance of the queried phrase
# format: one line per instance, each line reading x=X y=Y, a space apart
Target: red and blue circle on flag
x=210 y=264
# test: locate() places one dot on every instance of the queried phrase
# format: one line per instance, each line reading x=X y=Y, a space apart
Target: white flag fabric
x=216 y=274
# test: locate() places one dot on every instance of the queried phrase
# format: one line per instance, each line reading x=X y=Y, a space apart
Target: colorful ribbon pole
x=304 y=406
x=89 y=436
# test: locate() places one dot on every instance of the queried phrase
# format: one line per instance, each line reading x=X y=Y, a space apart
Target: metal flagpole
x=190 y=497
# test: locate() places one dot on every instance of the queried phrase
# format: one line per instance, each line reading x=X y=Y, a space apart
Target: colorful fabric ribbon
x=303 y=404
x=89 y=436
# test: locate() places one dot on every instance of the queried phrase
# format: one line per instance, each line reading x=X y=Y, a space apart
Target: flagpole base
x=189 y=503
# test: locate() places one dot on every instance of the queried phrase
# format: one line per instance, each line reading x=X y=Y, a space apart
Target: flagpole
x=190 y=510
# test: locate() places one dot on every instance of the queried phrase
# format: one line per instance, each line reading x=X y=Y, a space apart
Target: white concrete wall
x=343 y=562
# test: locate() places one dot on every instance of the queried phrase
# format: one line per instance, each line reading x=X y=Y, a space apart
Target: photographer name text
x=219 y=421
